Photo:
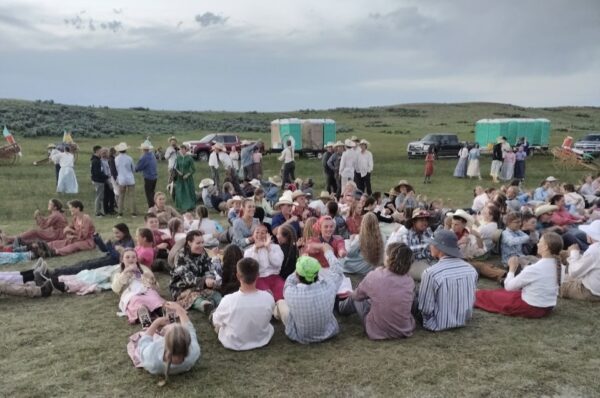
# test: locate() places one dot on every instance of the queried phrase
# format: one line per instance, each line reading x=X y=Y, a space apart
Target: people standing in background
x=473 y=168
x=125 y=179
x=109 y=185
x=185 y=190
x=257 y=163
x=348 y=162
x=99 y=179
x=112 y=153
x=147 y=165
x=234 y=155
x=246 y=158
x=520 y=163
x=67 y=181
x=460 y=171
x=213 y=163
x=53 y=152
x=497 y=158
x=508 y=165
x=171 y=153
x=289 y=166
x=334 y=165
x=364 y=167
x=328 y=172
x=429 y=159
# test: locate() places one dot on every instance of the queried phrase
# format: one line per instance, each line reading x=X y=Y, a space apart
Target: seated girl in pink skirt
x=137 y=287
x=144 y=246
x=532 y=293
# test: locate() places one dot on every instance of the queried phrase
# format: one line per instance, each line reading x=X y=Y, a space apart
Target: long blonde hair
x=371 y=242
x=177 y=342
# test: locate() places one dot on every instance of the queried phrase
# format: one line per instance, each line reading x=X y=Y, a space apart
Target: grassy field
x=75 y=346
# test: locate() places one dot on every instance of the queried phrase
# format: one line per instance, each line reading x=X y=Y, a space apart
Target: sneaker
x=41 y=275
x=207 y=307
x=46 y=289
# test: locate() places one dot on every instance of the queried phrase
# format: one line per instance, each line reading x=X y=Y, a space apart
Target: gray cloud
x=89 y=24
x=113 y=26
x=208 y=19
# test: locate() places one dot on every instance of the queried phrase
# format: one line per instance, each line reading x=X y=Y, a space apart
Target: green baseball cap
x=307 y=267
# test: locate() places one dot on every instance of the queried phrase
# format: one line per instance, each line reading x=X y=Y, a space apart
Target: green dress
x=185 y=192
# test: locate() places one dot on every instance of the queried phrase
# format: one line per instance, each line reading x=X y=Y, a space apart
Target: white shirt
x=319 y=206
x=479 y=202
x=348 y=163
x=212 y=160
x=287 y=155
x=587 y=267
x=537 y=282
x=125 y=169
x=208 y=228
x=244 y=320
x=64 y=159
x=225 y=160
x=487 y=232
x=364 y=163
x=269 y=260
x=235 y=159
x=171 y=156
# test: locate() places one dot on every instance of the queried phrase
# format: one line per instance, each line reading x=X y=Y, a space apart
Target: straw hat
x=460 y=213
x=543 y=209
x=275 y=180
x=237 y=198
x=338 y=143
x=121 y=147
x=349 y=143
x=298 y=181
x=297 y=193
x=205 y=183
x=285 y=199
x=329 y=145
x=255 y=183
x=172 y=138
x=146 y=145
x=51 y=146
x=403 y=183
x=551 y=179
x=354 y=138
x=592 y=230
x=325 y=195
x=364 y=142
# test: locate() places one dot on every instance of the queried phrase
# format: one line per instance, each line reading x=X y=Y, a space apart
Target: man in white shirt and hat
x=348 y=162
x=364 y=167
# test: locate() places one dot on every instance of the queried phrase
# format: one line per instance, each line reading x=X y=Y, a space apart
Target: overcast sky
x=282 y=55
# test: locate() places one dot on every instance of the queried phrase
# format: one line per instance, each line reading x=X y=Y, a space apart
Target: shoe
x=46 y=289
x=120 y=215
x=41 y=275
x=144 y=317
x=207 y=307
x=99 y=215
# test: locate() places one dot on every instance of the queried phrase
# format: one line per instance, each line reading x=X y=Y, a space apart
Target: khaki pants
x=129 y=191
x=25 y=290
x=489 y=271
x=574 y=289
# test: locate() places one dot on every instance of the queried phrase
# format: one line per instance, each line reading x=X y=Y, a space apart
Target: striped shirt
x=447 y=294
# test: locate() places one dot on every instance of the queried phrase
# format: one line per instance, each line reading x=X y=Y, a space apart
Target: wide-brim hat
x=338 y=143
x=543 y=209
x=354 y=138
x=551 y=179
x=275 y=180
x=329 y=145
x=460 y=213
x=285 y=199
x=146 y=145
x=172 y=138
x=245 y=142
x=325 y=195
x=237 y=198
x=121 y=147
x=219 y=146
x=51 y=146
x=297 y=193
x=592 y=230
x=255 y=183
x=206 y=182
x=364 y=142
x=349 y=143
x=446 y=241
x=403 y=183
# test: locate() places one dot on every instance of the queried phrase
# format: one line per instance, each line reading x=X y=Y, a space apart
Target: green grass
x=75 y=346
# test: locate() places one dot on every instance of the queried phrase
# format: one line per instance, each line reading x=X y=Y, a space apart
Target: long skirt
x=65 y=247
x=501 y=301
x=520 y=169
x=507 y=171
x=151 y=300
x=272 y=283
x=461 y=168
x=47 y=235
x=473 y=169
x=67 y=182
x=496 y=167
x=185 y=194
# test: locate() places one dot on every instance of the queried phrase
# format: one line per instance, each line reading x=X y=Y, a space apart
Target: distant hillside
x=46 y=118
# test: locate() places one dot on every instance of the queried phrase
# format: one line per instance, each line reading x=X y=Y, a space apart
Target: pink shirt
x=391 y=298
x=145 y=255
x=336 y=243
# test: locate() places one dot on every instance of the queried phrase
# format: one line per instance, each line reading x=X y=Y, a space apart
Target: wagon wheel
x=8 y=156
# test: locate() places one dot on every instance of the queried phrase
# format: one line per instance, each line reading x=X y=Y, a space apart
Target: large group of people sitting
x=285 y=254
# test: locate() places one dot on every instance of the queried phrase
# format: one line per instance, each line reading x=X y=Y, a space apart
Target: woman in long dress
x=508 y=166
x=67 y=182
x=461 y=167
x=473 y=169
x=520 y=163
x=185 y=193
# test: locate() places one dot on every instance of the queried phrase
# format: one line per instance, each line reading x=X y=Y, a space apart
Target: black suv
x=444 y=144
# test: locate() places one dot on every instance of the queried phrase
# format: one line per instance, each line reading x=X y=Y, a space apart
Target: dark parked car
x=444 y=144
x=589 y=144
x=201 y=149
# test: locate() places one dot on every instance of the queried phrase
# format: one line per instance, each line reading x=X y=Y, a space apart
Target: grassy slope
x=75 y=346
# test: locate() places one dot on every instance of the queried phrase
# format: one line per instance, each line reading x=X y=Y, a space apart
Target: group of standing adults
x=346 y=161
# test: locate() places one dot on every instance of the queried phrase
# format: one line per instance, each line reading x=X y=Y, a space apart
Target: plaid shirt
x=419 y=244
x=311 y=316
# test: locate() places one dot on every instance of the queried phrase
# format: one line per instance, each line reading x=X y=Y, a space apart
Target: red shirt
x=336 y=243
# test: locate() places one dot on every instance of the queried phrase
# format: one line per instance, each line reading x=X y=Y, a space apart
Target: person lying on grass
x=137 y=287
x=165 y=347
x=242 y=320
x=532 y=293
x=193 y=280
x=384 y=298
